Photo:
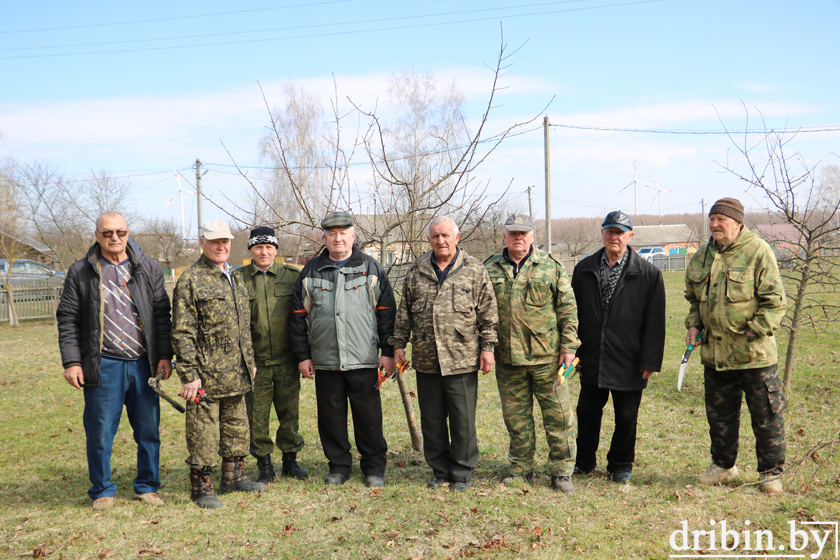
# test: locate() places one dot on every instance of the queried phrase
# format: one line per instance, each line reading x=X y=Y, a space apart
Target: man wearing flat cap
x=537 y=335
x=270 y=285
x=737 y=301
x=343 y=312
x=212 y=339
x=621 y=316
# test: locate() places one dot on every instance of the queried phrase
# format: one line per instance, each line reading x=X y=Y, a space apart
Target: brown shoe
x=101 y=504
x=150 y=499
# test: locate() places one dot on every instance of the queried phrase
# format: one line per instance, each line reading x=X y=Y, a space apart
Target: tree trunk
x=795 y=321
x=13 y=318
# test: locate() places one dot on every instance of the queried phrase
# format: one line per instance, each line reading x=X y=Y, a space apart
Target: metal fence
x=662 y=262
x=33 y=299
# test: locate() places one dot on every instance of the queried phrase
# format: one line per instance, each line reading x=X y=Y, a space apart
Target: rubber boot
x=291 y=467
x=233 y=479
x=201 y=488
x=267 y=473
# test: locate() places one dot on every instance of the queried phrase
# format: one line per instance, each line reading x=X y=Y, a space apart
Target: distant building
x=31 y=249
x=678 y=236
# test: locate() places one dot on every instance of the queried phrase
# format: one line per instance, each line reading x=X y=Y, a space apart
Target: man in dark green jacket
x=270 y=285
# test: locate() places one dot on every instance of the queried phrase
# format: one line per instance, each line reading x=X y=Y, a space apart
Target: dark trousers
x=332 y=391
x=762 y=388
x=590 y=409
x=451 y=450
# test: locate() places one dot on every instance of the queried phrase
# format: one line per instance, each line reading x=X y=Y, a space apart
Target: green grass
x=43 y=477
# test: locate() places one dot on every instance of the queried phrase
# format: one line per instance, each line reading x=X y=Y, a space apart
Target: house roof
x=660 y=235
x=26 y=240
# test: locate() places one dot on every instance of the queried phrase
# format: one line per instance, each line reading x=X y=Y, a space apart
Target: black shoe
x=458 y=486
x=436 y=483
x=291 y=467
x=511 y=478
x=579 y=471
x=563 y=484
x=335 y=478
x=267 y=473
x=622 y=477
x=374 y=481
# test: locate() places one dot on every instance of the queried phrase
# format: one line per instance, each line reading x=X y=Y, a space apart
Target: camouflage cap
x=337 y=219
x=216 y=229
x=618 y=219
x=519 y=222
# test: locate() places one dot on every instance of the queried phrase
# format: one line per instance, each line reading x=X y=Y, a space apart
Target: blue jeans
x=124 y=382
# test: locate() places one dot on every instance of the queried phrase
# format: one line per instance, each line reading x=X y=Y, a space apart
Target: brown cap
x=729 y=207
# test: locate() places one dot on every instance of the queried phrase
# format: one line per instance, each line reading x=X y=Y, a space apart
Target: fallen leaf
x=41 y=552
x=677 y=494
x=336 y=518
x=289 y=529
x=105 y=553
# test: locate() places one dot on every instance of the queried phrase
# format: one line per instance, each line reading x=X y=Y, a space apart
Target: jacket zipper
x=267 y=313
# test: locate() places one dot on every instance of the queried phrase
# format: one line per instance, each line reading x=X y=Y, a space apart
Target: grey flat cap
x=618 y=219
x=519 y=222
x=337 y=219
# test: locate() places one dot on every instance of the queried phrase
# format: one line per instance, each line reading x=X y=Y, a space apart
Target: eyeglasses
x=108 y=233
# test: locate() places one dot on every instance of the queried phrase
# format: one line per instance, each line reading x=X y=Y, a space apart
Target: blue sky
x=135 y=89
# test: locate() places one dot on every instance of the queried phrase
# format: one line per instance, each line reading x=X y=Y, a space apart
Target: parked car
x=647 y=253
x=24 y=270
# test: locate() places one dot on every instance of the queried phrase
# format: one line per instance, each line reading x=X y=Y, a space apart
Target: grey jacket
x=342 y=317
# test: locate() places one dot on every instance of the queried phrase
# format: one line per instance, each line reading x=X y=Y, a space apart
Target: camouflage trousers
x=222 y=430
x=762 y=388
x=518 y=385
x=278 y=385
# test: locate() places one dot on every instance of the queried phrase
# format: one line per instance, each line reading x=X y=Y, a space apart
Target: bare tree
x=12 y=248
x=809 y=270
x=161 y=240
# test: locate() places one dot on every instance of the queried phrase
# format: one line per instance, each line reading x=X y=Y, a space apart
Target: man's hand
x=74 y=376
x=165 y=367
x=646 y=373
x=307 y=369
x=388 y=364
x=487 y=361
x=189 y=391
x=566 y=360
x=691 y=337
x=399 y=356
x=254 y=373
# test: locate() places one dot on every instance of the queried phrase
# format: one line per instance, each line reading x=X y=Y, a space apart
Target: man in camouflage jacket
x=537 y=333
x=212 y=340
x=738 y=301
x=448 y=313
x=270 y=285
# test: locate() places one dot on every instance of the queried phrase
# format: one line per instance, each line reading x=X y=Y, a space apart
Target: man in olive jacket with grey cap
x=343 y=312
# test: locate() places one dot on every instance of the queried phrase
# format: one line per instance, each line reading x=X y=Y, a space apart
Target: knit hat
x=729 y=207
x=262 y=235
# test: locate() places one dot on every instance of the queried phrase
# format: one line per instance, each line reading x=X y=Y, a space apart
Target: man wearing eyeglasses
x=114 y=333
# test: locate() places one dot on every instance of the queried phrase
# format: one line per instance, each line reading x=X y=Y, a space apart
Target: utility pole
x=198 y=193
x=547 y=187
x=530 y=202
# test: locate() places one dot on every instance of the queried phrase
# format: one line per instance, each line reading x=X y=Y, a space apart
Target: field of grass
x=44 y=509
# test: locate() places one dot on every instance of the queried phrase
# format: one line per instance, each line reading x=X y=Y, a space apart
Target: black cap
x=618 y=219
x=262 y=235
x=337 y=219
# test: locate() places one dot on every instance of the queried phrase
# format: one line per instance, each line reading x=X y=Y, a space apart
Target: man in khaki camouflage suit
x=738 y=301
x=212 y=341
x=537 y=333
x=448 y=313
x=270 y=286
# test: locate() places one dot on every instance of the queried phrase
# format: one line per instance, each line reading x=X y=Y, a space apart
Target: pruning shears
x=562 y=375
x=154 y=383
x=684 y=362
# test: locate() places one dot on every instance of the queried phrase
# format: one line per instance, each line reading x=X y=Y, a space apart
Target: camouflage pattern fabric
x=537 y=310
x=766 y=403
x=448 y=323
x=223 y=429
x=270 y=299
x=732 y=291
x=518 y=385
x=278 y=385
x=211 y=330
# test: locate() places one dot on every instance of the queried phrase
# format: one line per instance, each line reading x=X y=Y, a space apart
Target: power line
x=817 y=128
x=328 y=34
x=173 y=18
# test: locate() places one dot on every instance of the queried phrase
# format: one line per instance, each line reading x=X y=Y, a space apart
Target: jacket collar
x=424 y=263
x=132 y=249
x=356 y=258
x=273 y=269
x=632 y=266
